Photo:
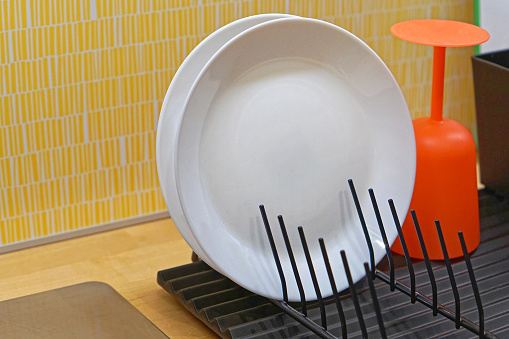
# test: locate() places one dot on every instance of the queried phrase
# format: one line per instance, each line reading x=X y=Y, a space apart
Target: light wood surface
x=127 y=259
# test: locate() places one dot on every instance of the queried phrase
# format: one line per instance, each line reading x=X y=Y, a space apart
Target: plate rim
x=165 y=119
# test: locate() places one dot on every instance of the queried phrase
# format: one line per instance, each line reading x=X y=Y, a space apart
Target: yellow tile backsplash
x=83 y=82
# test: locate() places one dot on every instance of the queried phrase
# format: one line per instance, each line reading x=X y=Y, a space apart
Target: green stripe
x=477 y=15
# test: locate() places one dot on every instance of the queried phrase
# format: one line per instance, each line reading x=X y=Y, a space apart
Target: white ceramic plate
x=283 y=115
x=171 y=113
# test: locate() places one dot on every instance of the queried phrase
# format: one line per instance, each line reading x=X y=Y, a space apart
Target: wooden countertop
x=128 y=259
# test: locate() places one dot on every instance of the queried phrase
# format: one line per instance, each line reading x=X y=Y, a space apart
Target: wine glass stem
x=437 y=87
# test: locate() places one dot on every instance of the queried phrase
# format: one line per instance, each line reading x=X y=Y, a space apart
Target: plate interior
x=284 y=115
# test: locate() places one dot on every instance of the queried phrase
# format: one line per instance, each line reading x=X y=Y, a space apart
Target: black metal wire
x=474 y=284
x=364 y=227
x=313 y=276
x=303 y=320
x=427 y=262
x=274 y=252
x=372 y=273
x=405 y=250
x=384 y=237
x=353 y=295
x=376 y=305
x=432 y=304
x=334 y=288
x=450 y=272
x=442 y=310
x=294 y=265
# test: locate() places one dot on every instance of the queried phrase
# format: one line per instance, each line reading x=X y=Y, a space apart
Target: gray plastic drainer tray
x=233 y=312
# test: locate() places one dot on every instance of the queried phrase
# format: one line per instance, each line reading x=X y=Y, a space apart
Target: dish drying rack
x=233 y=312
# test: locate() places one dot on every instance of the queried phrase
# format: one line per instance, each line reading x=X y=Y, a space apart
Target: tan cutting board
x=87 y=310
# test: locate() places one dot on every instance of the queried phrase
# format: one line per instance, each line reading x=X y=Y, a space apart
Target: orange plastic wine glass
x=446 y=181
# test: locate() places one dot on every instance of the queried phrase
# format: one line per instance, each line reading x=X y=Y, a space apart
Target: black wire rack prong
x=305 y=247
x=274 y=253
x=304 y=321
x=333 y=287
x=376 y=305
x=427 y=262
x=450 y=272
x=294 y=264
x=473 y=281
x=384 y=237
x=353 y=295
x=405 y=250
x=321 y=331
x=364 y=227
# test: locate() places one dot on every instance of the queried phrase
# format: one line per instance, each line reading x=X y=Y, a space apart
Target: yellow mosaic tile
x=83 y=82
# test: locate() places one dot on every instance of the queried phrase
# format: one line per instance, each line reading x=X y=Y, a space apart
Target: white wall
x=494 y=17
